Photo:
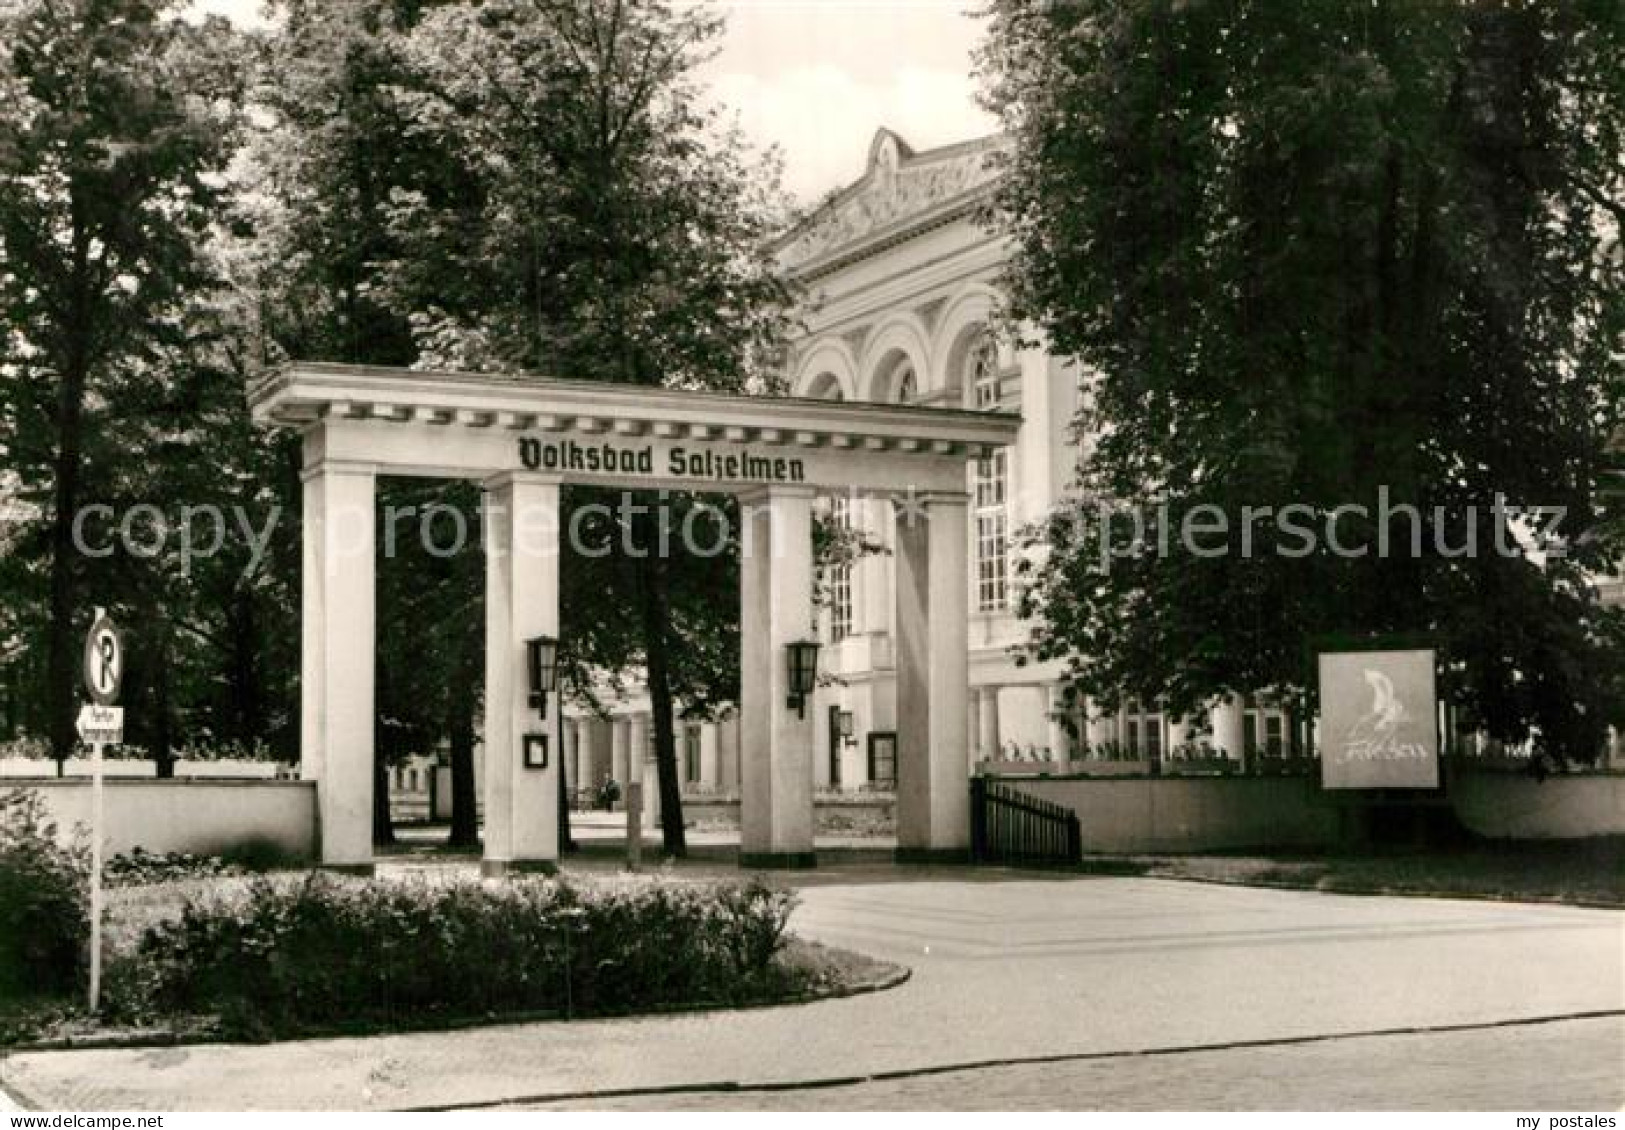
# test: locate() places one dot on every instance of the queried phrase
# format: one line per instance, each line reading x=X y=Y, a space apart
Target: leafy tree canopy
x=1309 y=252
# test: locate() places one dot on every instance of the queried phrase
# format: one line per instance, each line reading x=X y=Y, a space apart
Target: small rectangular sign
x=103 y=724
x=1379 y=725
x=535 y=751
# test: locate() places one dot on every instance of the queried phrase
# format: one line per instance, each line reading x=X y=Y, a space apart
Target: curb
x=159 y=1038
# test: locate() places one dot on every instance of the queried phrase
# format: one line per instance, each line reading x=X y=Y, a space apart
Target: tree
x=611 y=228
x=115 y=124
x=1309 y=253
x=331 y=150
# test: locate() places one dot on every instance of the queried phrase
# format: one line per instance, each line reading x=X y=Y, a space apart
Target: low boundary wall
x=198 y=816
x=1515 y=806
x=833 y=814
x=1180 y=814
x=36 y=767
x=1194 y=814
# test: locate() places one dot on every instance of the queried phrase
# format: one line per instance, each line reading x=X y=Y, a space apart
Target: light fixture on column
x=843 y=727
x=542 y=660
x=802 y=656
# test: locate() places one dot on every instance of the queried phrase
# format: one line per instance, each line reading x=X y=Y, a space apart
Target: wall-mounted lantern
x=843 y=727
x=542 y=660
x=802 y=656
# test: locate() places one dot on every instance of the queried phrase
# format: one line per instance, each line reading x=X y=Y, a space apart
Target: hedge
x=329 y=953
x=44 y=902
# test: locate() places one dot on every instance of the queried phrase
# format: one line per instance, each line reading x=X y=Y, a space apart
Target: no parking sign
x=104 y=660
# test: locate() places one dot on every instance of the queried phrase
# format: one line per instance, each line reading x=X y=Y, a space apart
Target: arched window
x=905 y=388
x=825 y=386
x=894 y=381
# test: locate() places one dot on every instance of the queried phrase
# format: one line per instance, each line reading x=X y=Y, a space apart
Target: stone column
x=1097 y=726
x=775 y=742
x=587 y=755
x=1228 y=732
x=871 y=594
x=933 y=799
x=620 y=742
x=710 y=763
x=1060 y=742
x=733 y=773
x=637 y=762
x=651 y=782
x=569 y=754
x=521 y=601
x=987 y=733
x=337 y=642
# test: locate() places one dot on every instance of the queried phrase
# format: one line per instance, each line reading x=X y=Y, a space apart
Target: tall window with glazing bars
x=840 y=576
x=991 y=491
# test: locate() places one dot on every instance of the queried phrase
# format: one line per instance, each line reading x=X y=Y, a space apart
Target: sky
x=818 y=77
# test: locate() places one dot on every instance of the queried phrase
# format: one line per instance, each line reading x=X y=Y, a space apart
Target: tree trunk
x=70 y=415
x=246 y=709
x=8 y=675
x=383 y=826
x=656 y=636
x=163 y=731
x=465 y=831
x=566 y=841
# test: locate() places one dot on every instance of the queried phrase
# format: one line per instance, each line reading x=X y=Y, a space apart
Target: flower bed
x=276 y=958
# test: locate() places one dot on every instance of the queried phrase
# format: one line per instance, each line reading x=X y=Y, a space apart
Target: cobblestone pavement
x=1571 y=1065
x=1005 y=966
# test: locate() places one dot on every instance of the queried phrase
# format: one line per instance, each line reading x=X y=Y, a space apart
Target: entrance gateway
x=521 y=438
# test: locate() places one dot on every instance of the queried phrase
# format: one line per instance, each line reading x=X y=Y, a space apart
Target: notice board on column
x=1379 y=724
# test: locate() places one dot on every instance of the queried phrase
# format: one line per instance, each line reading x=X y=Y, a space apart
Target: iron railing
x=1010 y=826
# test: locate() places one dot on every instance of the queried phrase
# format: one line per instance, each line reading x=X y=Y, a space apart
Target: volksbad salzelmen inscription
x=698 y=463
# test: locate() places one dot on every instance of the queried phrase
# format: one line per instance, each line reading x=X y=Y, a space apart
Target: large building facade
x=899 y=276
x=899 y=282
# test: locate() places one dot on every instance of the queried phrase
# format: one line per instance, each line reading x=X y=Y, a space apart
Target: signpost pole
x=96 y=833
x=634 y=824
x=100 y=722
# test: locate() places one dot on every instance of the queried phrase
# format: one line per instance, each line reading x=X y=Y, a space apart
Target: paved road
x=1009 y=969
x=1571 y=1065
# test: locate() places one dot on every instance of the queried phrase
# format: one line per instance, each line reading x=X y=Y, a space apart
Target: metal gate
x=1009 y=826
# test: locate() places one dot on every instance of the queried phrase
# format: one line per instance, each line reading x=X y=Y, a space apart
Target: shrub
x=204 y=747
x=139 y=867
x=259 y=854
x=44 y=901
x=280 y=958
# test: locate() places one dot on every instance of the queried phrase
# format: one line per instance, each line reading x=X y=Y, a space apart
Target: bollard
x=634 y=824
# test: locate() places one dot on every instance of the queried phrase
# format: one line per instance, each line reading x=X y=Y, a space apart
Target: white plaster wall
x=1512 y=806
x=31 y=767
x=1023 y=718
x=121 y=767
x=203 y=817
x=1172 y=815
